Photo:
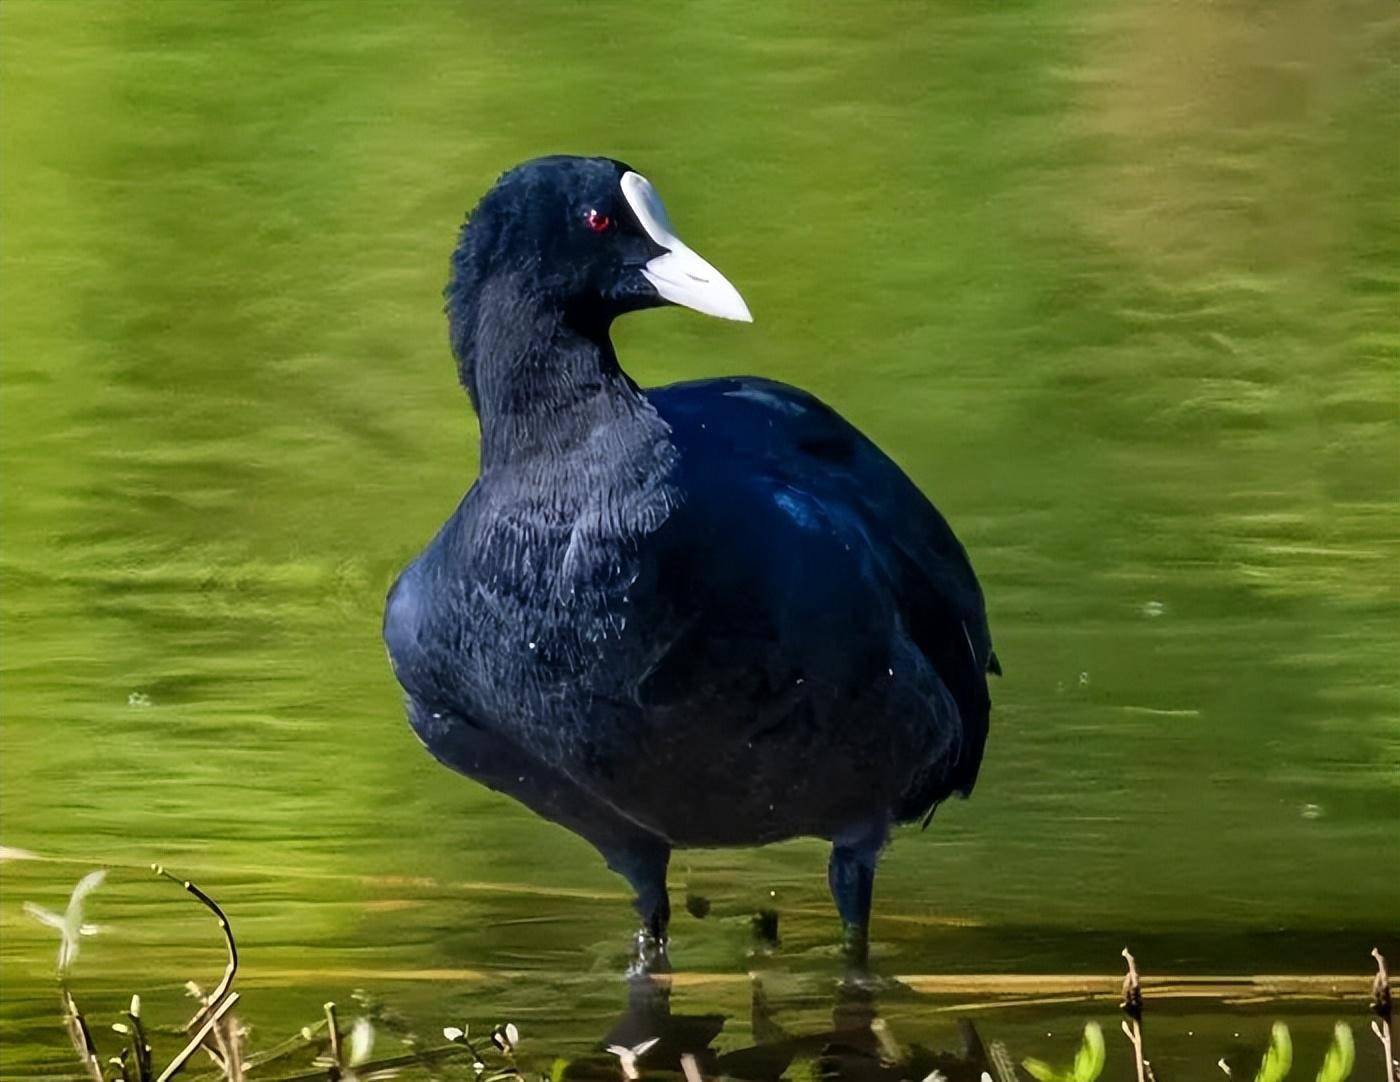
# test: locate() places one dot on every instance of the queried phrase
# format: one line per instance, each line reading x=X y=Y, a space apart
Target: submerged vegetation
x=327 y=1049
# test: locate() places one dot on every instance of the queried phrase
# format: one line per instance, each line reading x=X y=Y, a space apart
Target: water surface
x=1117 y=284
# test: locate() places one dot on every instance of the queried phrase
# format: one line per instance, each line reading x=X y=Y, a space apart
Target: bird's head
x=584 y=237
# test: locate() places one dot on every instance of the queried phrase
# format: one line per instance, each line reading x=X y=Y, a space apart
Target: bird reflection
x=652 y=1037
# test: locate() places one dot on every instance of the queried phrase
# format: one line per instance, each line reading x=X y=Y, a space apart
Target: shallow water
x=1118 y=285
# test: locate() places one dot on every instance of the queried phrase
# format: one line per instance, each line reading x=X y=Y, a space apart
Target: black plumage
x=706 y=614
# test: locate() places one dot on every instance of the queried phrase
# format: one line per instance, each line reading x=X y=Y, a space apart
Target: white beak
x=678 y=274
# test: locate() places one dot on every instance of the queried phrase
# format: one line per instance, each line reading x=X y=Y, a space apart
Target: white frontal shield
x=678 y=274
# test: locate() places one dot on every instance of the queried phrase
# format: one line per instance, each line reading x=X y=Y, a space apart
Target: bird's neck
x=541 y=382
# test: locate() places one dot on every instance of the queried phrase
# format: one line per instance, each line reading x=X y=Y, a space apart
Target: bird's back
x=853 y=538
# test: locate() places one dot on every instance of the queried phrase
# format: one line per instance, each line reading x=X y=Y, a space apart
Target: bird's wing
x=754 y=446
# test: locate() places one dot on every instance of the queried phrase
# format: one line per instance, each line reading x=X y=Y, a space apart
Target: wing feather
x=802 y=445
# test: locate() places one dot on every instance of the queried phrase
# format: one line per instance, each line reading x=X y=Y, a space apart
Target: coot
x=707 y=614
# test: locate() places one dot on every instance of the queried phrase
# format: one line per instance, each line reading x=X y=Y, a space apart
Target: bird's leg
x=651 y=955
x=852 y=881
x=851 y=875
x=643 y=864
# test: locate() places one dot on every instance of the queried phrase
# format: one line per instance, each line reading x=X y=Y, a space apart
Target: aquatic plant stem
x=140 y=1046
x=229 y=1056
x=211 y=1003
x=1381 y=1007
x=1132 y=1026
x=178 y=1063
x=81 y=1036
x=333 y=1030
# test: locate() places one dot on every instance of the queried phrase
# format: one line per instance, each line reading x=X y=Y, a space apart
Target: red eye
x=599 y=223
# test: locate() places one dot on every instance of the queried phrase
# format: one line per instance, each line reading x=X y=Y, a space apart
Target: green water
x=1119 y=285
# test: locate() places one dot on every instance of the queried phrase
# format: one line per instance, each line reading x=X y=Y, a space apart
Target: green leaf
x=1279 y=1058
x=1341 y=1056
x=1088 y=1061
x=1043 y=1072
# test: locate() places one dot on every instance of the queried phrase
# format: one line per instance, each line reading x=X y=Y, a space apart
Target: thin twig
x=198 y=1039
x=1132 y=1007
x=81 y=1036
x=333 y=1029
x=1002 y=1063
x=139 y=1044
x=1381 y=1008
x=119 y=1062
x=212 y=1003
x=288 y=1047
x=227 y=1051
x=215 y=1050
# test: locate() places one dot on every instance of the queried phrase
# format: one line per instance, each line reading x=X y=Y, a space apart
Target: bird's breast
x=551 y=609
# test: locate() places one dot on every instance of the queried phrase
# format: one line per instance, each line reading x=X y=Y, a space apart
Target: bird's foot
x=649 y=954
x=862 y=980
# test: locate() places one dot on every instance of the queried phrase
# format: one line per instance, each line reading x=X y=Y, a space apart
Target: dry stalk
x=228 y=1040
x=81 y=1036
x=1132 y=1026
x=213 y=1000
x=178 y=1063
x=1002 y=1063
x=140 y=1046
x=119 y=1062
x=221 y=1042
x=224 y=1044
x=1381 y=1008
x=333 y=1031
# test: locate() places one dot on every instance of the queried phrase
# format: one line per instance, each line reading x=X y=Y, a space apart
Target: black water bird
x=706 y=614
